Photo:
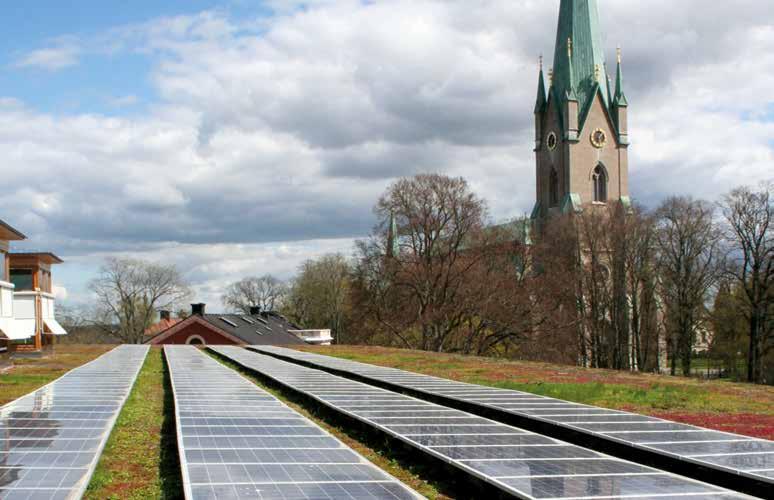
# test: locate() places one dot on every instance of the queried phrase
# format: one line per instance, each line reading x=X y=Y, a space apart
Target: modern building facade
x=27 y=302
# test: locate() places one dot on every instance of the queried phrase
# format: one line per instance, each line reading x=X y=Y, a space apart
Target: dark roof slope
x=263 y=329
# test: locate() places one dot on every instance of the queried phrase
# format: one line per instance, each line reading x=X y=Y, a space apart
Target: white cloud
x=123 y=101
x=63 y=53
x=270 y=132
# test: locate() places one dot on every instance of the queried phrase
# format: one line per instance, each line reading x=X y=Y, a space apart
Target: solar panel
x=51 y=439
x=740 y=456
x=516 y=461
x=238 y=441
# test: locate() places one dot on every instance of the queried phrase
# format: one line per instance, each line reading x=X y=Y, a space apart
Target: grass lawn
x=29 y=374
x=734 y=407
x=140 y=459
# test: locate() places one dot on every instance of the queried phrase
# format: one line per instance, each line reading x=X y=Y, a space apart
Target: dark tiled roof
x=264 y=329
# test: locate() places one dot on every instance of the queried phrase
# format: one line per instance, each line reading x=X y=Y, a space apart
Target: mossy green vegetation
x=140 y=459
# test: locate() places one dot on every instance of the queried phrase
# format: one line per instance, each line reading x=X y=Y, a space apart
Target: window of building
x=22 y=279
x=600 y=184
x=553 y=188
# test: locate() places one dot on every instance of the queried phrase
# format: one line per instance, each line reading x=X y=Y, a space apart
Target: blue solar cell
x=513 y=459
x=53 y=436
x=657 y=436
x=238 y=441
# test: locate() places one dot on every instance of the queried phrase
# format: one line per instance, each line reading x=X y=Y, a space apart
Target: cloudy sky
x=242 y=137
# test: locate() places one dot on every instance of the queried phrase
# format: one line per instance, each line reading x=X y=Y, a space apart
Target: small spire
x=541 y=93
x=597 y=72
x=569 y=48
x=393 y=248
x=620 y=96
x=551 y=77
x=618 y=54
x=609 y=85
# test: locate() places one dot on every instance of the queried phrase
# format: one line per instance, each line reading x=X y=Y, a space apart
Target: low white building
x=314 y=337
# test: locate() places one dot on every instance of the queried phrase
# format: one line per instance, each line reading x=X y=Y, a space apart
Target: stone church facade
x=581 y=129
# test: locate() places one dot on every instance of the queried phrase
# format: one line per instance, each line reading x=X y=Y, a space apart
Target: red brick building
x=259 y=328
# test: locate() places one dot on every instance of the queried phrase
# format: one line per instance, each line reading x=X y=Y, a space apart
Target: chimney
x=255 y=310
x=164 y=315
x=198 y=309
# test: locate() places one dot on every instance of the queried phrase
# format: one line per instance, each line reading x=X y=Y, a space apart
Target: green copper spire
x=570 y=93
x=578 y=67
x=541 y=93
x=393 y=248
x=620 y=97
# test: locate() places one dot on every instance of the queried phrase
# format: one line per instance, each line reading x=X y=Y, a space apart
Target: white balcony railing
x=10 y=328
x=35 y=311
x=315 y=337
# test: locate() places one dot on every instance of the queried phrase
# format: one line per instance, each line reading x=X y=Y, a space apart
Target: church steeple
x=578 y=73
x=393 y=246
x=581 y=135
x=540 y=103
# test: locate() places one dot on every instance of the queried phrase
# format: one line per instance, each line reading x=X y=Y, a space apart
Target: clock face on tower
x=598 y=138
x=551 y=141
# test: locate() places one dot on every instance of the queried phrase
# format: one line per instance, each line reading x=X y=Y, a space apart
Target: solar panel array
x=518 y=462
x=238 y=441
x=51 y=439
x=753 y=458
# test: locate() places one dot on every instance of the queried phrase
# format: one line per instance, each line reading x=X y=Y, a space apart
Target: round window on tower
x=551 y=141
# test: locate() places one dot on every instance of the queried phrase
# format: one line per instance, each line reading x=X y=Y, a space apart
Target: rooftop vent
x=198 y=309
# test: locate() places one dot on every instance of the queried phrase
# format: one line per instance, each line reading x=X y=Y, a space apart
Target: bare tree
x=420 y=293
x=640 y=259
x=319 y=296
x=130 y=291
x=689 y=261
x=749 y=216
x=266 y=292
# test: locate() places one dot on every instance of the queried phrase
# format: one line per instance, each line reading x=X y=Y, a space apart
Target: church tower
x=581 y=134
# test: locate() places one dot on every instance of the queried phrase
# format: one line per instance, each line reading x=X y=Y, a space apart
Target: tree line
x=613 y=286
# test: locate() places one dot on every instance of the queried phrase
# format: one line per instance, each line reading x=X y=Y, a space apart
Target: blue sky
x=102 y=79
x=237 y=137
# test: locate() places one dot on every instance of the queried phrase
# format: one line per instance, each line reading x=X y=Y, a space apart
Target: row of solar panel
x=51 y=439
x=238 y=441
x=520 y=463
x=739 y=455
